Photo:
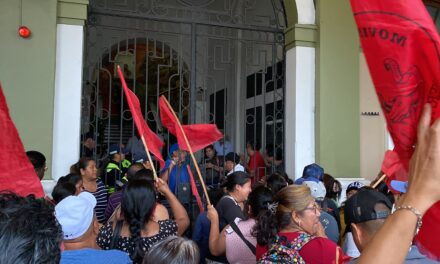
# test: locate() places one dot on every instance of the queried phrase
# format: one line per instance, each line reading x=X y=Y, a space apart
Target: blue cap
x=299 y=181
x=174 y=147
x=313 y=170
x=139 y=158
x=399 y=186
x=116 y=148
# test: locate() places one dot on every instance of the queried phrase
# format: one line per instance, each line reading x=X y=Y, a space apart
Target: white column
x=67 y=109
x=306 y=11
x=299 y=110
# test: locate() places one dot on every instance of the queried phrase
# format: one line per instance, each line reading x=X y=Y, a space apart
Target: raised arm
x=165 y=174
x=179 y=212
x=398 y=231
x=217 y=240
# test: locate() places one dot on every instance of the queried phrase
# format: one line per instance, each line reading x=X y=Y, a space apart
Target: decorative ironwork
x=218 y=61
x=251 y=13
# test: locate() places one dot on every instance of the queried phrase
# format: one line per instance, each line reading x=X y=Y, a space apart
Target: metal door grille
x=217 y=61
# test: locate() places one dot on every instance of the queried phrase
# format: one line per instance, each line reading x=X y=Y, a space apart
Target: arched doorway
x=218 y=61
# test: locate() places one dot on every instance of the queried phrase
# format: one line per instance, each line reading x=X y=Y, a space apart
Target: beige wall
x=373 y=133
x=27 y=66
x=27 y=69
x=337 y=92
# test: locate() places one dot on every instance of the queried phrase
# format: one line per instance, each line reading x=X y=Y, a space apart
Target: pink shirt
x=236 y=249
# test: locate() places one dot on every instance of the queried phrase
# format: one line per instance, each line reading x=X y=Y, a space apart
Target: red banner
x=151 y=139
x=198 y=135
x=17 y=173
x=401 y=46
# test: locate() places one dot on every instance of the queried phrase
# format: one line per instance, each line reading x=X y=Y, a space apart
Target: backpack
x=283 y=251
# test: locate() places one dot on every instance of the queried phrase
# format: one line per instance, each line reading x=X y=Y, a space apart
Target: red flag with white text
x=401 y=46
x=16 y=171
x=153 y=141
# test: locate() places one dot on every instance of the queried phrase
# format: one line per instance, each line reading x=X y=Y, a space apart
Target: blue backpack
x=283 y=251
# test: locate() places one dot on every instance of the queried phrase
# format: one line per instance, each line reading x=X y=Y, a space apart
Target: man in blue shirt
x=80 y=228
x=175 y=170
x=223 y=147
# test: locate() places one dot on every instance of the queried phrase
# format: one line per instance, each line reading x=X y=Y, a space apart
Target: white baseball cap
x=75 y=214
x=317 y=188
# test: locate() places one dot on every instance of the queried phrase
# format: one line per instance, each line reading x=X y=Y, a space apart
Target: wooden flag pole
x=149 y=158
x=379 y=181
x=196 y=165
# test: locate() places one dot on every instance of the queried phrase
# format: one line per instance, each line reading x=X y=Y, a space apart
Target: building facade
x=287 y=73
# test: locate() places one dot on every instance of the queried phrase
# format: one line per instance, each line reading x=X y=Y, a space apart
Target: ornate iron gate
x=218 y=61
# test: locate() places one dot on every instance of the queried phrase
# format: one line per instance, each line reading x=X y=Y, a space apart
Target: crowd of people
x=122 y=214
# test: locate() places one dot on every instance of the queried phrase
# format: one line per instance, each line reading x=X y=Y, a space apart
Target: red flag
x=151 y=139
x=392 y=166
x=17 y=173
x=401 y=46
x=198 y=135
x=194 y=189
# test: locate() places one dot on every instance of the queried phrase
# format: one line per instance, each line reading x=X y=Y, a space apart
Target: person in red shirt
x=295 y=212
x=256 y=165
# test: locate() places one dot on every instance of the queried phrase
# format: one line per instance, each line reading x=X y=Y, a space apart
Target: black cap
x=360 y=207
x=232 y=156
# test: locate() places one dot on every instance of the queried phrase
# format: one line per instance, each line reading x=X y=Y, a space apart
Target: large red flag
x=151 y=139
x=401 y=46
x=16 y=171
x=198 y=135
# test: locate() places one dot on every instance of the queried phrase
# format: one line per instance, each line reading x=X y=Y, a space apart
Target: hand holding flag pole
x=189 y=148
x=142 y=127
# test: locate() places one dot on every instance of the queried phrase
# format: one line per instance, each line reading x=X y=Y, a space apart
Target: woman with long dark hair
x=230 y=206
x=138 y=231
x=229 y=241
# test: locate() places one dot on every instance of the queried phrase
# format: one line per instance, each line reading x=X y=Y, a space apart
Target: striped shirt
x=113 y=201
x=101 y=201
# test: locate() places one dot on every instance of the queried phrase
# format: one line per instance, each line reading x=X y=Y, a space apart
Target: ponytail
x=265 y=229
x=138 y=203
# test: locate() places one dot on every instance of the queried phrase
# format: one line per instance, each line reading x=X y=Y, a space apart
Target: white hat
x=75 y=214
x=317 y=189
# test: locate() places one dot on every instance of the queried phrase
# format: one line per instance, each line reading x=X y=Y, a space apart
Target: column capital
x=72 y=12
x=304 y=35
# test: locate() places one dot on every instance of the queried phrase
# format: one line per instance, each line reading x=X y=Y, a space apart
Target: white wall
x=67 y=109
x=299 y=110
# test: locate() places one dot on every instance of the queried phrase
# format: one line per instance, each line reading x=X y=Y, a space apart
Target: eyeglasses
x=316 y=208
